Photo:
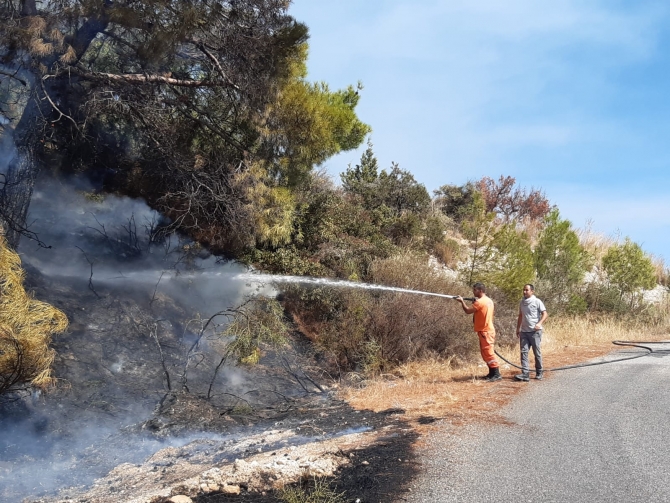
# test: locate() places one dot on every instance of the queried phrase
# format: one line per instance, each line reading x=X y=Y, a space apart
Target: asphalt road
x=592 y=434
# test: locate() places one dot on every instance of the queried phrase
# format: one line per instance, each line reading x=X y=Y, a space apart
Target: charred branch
x=153 y=333
x=90 y=278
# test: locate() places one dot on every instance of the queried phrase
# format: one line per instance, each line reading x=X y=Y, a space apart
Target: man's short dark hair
x=480 y=287
x=532 y=288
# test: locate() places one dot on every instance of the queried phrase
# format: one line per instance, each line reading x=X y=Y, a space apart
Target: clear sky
x=571 y=96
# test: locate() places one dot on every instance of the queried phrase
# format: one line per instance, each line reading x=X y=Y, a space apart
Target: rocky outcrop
x=187 y=472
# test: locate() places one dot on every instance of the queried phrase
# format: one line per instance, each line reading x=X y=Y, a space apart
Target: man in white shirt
x=532 y=315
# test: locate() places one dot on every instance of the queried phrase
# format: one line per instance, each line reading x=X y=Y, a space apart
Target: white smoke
x=106 y=239
x=100 y=247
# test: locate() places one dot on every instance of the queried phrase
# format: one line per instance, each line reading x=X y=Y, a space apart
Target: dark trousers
x=530 y=340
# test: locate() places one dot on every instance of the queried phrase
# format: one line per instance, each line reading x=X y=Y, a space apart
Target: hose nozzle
x=471 y=299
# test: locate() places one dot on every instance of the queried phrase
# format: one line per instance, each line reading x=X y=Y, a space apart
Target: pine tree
x=629 y=269
x=362 y=179
x=560 y=260
x=194 y=106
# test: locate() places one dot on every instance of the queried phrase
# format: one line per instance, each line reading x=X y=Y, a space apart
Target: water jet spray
x=277 y=278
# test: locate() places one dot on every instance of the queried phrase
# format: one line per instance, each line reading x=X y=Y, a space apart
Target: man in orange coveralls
x=482 y=311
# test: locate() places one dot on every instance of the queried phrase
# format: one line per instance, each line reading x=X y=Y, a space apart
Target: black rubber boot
x=487 y=376
x=495 y=375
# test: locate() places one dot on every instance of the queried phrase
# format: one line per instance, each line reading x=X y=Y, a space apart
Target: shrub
x=505 y=261
x=601 y=297
x=258 y=321
x=287 y=260
x=448 y=252
x=455 y=201
x=629 y=269
x=560 y=261
x=318 y=491
x=405 y=228
x=374 y=331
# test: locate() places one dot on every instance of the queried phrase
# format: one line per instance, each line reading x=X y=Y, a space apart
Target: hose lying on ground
x=635 y=344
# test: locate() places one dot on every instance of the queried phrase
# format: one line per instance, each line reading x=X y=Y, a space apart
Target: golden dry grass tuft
x=595 y=243
x=420 y=387
x=661 y=270
x=26 y=328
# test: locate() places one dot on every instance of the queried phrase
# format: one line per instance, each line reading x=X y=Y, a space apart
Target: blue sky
x=565 y=95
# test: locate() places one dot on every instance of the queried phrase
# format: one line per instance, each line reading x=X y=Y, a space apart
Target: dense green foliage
x=629 y=269
x=202 y=108
x=560 y=260
x=510 y=265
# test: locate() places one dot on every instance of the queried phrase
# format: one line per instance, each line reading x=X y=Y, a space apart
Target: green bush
x=318 y=491
x=629 y=269
x=287 y=260
x=576 y=304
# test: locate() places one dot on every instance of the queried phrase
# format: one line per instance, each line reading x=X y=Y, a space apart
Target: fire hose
x=636 y=344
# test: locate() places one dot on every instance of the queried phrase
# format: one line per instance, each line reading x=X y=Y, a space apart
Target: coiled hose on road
x=635 y=344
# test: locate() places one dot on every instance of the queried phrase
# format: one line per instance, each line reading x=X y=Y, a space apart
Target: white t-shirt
x=531 y=311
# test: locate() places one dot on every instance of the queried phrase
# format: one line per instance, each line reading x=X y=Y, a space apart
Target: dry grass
x=26 y=327
x=449 y=389
x=318 y=491
x=570 y=332
x=595 y=243
x=421 y=387
x=661 y=270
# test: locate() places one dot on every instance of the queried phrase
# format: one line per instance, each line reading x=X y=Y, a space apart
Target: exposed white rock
x=180 y=499
x=183 y=473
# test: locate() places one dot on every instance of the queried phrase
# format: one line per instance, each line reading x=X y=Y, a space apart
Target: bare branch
x=141 y=79
x=153 y=297
x=90 y=278
x=53 y=105
x=216 y=63
x=154 y=335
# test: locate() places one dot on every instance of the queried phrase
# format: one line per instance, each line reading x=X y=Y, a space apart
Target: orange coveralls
x=483 y=319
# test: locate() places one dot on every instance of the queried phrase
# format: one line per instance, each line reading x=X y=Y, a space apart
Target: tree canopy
x=629 y=268
x=194 y=106
x=560 y=260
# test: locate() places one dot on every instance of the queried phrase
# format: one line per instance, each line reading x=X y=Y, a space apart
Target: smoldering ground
x=130 y=376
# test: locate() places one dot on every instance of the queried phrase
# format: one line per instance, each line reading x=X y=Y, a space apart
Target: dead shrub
x=401 y=328
x=413 y=271
x=448 y=252
x=376 y=331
